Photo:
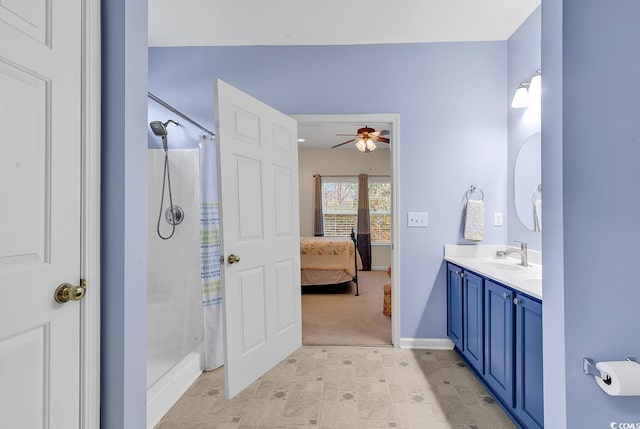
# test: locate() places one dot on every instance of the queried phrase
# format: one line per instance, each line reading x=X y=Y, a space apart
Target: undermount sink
x=502 y=264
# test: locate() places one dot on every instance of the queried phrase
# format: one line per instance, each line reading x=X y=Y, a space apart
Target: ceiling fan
x=365 y=139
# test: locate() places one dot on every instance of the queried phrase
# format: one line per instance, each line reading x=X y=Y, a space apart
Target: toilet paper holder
x=589 y=368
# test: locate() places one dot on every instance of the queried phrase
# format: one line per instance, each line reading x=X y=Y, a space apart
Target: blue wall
x=553 y=313
x=451 y=98
x=598 y=122
x=524 y=59
x=124 y=214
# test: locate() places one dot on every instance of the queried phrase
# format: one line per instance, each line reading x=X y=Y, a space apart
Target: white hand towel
x=474 y=220
x=537 y=209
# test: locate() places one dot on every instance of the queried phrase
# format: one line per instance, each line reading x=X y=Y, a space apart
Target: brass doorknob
x=68 y=292
x=232 y=259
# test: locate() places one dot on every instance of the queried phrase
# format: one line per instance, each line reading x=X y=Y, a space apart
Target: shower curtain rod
x=177 y=112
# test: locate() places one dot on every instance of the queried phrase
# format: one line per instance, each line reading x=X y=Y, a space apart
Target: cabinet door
x=499 y=341
x=454 y=304
x=529 y=396
x=473 y=296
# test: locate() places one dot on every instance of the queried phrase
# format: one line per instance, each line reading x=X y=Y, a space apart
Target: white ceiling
x=323 y=135
x=332 y=22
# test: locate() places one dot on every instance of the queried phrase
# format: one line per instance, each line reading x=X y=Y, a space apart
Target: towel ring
x=470 y=192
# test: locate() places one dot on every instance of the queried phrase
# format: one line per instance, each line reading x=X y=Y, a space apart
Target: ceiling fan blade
x=379 y=133
x=340 y=144
x=378 y=138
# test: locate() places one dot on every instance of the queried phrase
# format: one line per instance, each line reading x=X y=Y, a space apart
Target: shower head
x=160 y=129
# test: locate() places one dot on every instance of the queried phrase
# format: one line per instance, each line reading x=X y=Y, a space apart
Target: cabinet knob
x=506 y=295
x=516 y=301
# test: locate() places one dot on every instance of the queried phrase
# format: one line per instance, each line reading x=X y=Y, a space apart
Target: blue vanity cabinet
x=528 y=362
x=472 y=320
x=455 y=275
x=499 y=341
x=498 y=331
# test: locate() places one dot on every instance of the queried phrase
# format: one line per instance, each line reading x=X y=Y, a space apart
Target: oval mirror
x=527 y=181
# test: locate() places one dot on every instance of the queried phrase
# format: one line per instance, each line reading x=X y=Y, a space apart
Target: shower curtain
x=210 y=255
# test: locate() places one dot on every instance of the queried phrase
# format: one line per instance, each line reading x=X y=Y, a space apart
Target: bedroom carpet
x=333 y=315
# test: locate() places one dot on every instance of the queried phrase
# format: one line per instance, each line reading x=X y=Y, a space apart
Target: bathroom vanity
x=494 y=318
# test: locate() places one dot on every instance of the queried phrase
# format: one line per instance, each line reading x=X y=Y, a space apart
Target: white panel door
x=258 y=167
x=40 y=166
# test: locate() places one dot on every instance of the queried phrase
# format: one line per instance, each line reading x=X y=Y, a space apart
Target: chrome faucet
x=524 y=258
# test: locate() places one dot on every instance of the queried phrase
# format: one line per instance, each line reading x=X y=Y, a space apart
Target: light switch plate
x=417 y=219
x=497 y=219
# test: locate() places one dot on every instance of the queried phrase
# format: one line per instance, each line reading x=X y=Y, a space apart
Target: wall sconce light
x=521 y=97
x=535 y=88
x=528 y=93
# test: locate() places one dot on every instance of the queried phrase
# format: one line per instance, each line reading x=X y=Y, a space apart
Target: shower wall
x=174 y=293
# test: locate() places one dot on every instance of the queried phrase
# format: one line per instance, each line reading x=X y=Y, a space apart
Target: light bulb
x=371 y=145
x=535 y=88
x=521 y=98
x=361 y=146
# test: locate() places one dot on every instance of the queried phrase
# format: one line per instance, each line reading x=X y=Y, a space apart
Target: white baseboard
x=166 y=392
x=379 y=268
x=426 y=343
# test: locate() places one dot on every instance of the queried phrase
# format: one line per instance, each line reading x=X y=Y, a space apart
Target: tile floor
x=325 y=387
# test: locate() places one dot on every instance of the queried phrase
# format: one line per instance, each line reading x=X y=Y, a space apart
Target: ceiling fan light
x=361 y=145
x=370 y=145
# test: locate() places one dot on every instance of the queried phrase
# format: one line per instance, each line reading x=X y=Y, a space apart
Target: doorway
x=333 y=314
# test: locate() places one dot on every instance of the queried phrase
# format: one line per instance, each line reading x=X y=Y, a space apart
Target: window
x=380 y=210
x=340 y=207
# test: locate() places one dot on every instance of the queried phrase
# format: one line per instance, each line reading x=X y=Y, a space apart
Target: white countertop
x=508 y=271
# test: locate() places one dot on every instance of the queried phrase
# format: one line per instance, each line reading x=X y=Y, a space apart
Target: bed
x=329 y=261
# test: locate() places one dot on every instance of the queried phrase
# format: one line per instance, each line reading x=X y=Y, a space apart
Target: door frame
x=90 y=217
x=394 y=120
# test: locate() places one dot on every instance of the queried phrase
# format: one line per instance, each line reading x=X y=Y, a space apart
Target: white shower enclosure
x=174 y=292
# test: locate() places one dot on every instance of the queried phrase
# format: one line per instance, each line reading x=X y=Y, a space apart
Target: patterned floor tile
x=346 y=388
